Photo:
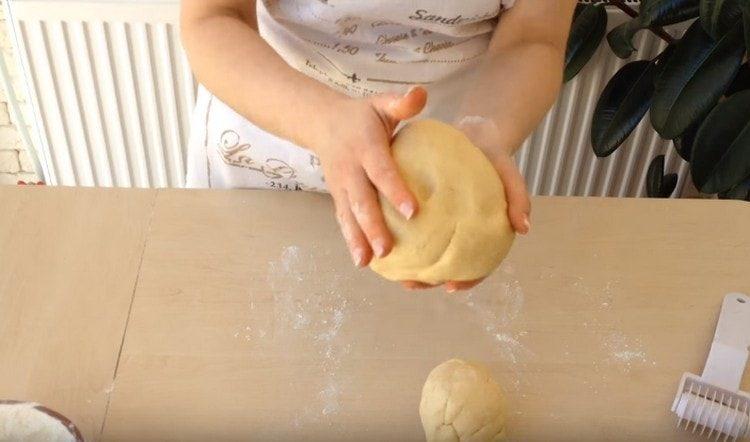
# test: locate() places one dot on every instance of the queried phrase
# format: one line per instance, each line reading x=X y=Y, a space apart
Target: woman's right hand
x=355 y=154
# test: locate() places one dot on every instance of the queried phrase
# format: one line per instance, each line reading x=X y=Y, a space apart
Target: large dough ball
x=461 y=231
x=461 y=403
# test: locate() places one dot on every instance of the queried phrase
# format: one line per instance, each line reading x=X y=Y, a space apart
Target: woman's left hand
x=531 y=59
x=482 y=133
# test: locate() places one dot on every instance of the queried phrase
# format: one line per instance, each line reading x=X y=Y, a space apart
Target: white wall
x=14 y=161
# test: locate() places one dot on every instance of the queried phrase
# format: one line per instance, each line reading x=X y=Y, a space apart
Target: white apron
x=357 y=47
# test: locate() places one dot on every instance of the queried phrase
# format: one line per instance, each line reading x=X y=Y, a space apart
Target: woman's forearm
x=514 y=88
x=521 y=75
x=233 y=62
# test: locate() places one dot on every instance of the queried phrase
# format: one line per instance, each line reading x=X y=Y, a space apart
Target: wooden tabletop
x=237 y=315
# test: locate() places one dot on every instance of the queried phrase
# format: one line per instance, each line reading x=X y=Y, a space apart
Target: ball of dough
x=461 y=403
x=461 y=231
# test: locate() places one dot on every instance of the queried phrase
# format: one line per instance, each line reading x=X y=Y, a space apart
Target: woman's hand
x=355 y=153
x=483 y=133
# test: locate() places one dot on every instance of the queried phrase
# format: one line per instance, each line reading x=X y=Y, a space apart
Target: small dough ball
x=461 y=231
x=461 y=403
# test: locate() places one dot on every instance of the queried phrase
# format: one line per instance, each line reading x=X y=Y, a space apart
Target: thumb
x=396 y=108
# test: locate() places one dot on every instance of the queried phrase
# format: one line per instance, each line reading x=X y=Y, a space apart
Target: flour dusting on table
x=315 y=317
x=625 y=351
x=496 y=310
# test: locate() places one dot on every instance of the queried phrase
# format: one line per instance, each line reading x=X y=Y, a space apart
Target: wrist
x=329 y=112
x=484 y=134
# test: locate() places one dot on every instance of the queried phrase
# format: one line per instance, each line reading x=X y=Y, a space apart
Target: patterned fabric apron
x=354 y=46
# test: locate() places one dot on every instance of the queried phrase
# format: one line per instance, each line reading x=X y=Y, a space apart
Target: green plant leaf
x=668 y=185
x=662 y=59
x=654 y=176
x=684 y=143
x=621 y=106
x=652 y=13
x=719 y=16
x=746 y=19
x=659 y=185
x=667 y=12
x=721 y=152
x=694 y=78
x=620 y=38
x=586 y=33
x=739 y=192
x=741 y=80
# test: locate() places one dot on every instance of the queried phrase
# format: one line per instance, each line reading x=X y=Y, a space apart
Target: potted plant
x=697 y=91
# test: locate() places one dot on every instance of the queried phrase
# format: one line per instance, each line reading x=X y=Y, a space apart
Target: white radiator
x=111 y=89
x=112 y=94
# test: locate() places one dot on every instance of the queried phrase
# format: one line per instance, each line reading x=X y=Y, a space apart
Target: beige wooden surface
x=68 y=265
x=249 y=322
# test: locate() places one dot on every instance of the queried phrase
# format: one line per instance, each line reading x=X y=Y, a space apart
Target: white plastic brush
x=713 y=401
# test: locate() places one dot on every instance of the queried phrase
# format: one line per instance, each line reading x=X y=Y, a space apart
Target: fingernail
x=526 y=224
x=358 y=256
x=406 y=209
x=378 y=247
x=411 y=89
